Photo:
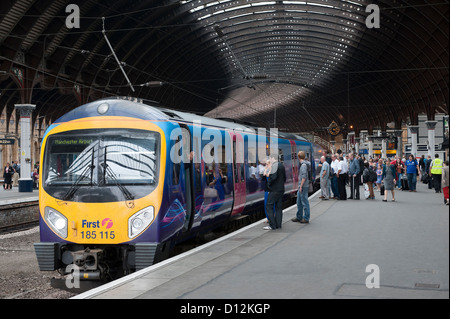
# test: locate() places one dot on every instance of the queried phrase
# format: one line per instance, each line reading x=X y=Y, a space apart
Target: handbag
x=211 y=193
x=366 y=191
x=382 y=190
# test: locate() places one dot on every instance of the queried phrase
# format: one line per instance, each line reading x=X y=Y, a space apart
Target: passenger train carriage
x=112 y=200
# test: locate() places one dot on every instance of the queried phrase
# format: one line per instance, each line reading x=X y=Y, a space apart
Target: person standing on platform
x=334 y=178
x=276 y=181
x=436 y=172
x=427 y=171
x=368 y=178
x=304 y=178
x=265 y=181
x=400 y=168
x=388 y=179
x=342 y=178
x=16 y=176
x=324 y=177
x=422 y=165
x=445 y=182
x=379 y=176
x=412 y=167
x=8 y=172
x=353 y=173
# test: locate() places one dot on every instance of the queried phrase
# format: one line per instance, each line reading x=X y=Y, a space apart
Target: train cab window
x=77 y=161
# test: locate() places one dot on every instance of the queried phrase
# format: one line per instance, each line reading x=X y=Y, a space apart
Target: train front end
x=100 y=192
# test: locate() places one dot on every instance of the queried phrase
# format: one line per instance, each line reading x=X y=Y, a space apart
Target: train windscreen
x=101 y=158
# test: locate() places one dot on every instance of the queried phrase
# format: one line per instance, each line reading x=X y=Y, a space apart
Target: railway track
x=18 y=227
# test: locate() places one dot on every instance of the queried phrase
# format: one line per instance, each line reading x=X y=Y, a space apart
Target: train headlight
x=140 y=221
x=57 y=221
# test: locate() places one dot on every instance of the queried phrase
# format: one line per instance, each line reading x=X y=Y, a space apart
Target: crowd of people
x=383 y=175
x=11 y=175
x=337 y=171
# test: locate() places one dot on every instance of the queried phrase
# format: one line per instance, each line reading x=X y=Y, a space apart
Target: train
x=123 y=180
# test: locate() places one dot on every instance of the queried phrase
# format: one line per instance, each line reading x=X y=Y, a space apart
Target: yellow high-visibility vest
x=436 y=166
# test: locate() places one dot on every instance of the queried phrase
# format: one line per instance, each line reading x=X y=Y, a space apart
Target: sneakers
x=267 y=228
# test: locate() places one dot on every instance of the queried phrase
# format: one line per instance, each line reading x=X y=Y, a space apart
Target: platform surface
x=408 y=240
x=12 y=196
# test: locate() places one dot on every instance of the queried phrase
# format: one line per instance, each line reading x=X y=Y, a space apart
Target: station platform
x=407 y=240
x=12 y=196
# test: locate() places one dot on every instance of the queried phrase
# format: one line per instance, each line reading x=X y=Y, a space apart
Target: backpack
x=372 y=176
x=309 y=171
x=366 y=175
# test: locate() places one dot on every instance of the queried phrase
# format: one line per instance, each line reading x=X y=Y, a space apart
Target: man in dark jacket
x=276 y=181
x=354 y=176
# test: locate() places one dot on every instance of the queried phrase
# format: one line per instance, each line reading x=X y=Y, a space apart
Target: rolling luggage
x=405 y=185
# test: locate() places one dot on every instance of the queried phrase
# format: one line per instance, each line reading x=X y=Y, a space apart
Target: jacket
x=277 y=178
x=304 y=173
x=353 y=168
x=392 y=167
x=436 y=166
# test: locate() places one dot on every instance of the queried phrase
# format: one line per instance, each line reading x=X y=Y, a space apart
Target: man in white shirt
x=334 y=178
x=342 y=178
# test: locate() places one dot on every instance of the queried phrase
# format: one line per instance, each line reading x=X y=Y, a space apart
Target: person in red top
x=399 y=170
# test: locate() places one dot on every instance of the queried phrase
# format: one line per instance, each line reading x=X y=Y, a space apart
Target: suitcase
x=405 y=185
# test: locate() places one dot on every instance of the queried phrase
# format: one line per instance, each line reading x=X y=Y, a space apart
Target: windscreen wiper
x=129 y=198
x=76 y=186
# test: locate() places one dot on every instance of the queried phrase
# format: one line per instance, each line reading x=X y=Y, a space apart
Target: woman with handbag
x=8 y=172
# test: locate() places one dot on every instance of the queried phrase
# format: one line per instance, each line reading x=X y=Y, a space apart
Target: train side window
x=223 y=167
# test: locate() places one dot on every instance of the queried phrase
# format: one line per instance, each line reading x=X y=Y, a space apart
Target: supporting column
x=370 y=138
x=384 y=148
x=399 y=135
x=357 y=140
x=414 y=129
x=25 y=181
x=431 y=125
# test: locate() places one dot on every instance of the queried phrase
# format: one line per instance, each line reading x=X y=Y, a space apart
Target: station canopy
x=296 y=65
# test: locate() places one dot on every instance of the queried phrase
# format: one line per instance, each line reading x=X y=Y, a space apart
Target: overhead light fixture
x=152 y=84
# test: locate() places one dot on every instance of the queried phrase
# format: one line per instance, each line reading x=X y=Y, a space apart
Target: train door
x=239 y=184
x=294 y=165
x=198 y=176
x=189 y=180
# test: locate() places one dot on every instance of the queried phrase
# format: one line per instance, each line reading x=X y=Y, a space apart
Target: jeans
x=303 y=211
x=399 y=181
x=335 y=186
x=412 y=181
x=275 y=209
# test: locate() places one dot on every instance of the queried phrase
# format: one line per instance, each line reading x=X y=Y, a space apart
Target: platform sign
x=7 y=141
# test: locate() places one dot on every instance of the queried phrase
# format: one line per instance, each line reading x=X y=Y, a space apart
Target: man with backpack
x=369 y=177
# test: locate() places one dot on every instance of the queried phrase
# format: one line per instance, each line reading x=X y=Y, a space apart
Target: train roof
x=150 y=110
